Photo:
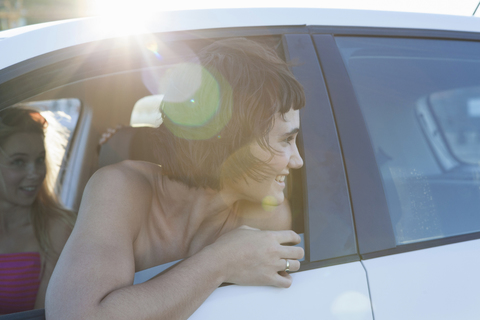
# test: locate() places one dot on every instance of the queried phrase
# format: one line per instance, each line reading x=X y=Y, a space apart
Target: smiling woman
x=225 y=148
x=33 y=225
x=18 y=151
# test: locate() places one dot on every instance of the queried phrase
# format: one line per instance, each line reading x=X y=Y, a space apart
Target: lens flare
x=153 y=47
x=151 y=76
x=192 y=102
x=182 y=81
x=269 y=203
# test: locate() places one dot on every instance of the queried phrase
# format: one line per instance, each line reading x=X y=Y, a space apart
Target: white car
x=388 y=201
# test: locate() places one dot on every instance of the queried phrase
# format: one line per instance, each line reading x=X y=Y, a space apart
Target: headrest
x=128 y=143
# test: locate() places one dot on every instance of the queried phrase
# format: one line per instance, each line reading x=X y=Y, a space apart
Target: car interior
x=107 y=85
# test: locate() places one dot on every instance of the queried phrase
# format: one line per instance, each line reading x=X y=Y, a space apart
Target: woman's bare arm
x=59 y=233
x=93 y=278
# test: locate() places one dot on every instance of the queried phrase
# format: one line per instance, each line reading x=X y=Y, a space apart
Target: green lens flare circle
x=195 y=106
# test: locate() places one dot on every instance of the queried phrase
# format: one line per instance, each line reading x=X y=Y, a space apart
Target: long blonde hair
x=46 y=206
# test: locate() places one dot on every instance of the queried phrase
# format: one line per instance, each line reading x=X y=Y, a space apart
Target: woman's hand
x=254 y=257
x=108 y=134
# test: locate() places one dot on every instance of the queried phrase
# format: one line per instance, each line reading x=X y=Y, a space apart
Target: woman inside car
x=227 y=142
x=33 y=225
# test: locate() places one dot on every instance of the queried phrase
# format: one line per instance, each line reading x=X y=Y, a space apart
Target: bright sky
x=453 y=7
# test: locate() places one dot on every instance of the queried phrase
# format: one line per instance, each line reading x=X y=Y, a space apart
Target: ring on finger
x=287 y=267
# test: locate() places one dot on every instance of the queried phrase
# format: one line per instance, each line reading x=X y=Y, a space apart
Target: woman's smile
x=22 y=168
x=30 y=191
x=280 y=178
x=282 y=139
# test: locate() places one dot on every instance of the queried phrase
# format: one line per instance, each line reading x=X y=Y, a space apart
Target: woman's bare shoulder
x=120 y=189
x=140 y=168
x=127 y=174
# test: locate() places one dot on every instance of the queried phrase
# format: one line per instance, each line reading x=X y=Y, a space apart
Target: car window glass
x=420 y=101
x=458 y=115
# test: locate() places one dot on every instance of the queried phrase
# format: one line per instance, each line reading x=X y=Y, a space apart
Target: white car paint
x=331 y=293
x=440 y=283
x=20 y=44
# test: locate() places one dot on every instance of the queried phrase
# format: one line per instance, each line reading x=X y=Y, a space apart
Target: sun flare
x=124 y=7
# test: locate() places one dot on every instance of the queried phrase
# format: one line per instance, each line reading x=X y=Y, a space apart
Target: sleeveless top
x=19 y=281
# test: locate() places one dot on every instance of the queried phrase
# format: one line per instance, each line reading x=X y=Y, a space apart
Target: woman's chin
x=270 y=202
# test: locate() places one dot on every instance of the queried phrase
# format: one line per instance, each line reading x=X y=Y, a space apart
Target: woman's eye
x=41 y=160
x=289 y=139
x=18 y=162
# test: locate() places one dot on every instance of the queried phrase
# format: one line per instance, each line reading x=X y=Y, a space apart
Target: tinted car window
x=420 y=102
x=458 y=115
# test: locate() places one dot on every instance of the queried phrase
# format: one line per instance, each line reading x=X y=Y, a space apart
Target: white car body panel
x=330 y=293
x=49 y=37
x=436 y=283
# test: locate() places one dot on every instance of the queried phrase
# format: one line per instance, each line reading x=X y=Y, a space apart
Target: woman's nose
x=296 y=160
x=33 y=171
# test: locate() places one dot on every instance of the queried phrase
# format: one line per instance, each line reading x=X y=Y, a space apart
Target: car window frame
x=342 y=95
x=84 y=60
x=328 y=203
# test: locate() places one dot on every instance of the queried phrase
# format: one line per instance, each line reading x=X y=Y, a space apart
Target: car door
x=407 y=108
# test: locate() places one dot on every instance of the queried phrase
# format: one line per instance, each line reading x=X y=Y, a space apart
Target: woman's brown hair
x=208 y=127
x=46 y=205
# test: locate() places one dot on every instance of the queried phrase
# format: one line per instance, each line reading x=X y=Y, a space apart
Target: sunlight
x=125 y=7
x=121 y=24
x=110 y=7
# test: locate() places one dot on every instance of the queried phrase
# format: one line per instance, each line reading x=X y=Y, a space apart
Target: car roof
x=23 y=43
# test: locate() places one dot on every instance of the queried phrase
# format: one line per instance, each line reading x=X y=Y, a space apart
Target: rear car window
x=420 y=99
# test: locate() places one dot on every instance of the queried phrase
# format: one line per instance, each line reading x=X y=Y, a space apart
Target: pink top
x=19 y=281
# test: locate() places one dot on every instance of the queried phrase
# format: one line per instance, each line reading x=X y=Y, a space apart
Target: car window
x=128 y=88
x=457 y=112
x=420 y=102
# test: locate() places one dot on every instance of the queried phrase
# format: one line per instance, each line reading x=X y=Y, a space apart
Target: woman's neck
x=208 y=204
x=13 y=216
x=203 y=214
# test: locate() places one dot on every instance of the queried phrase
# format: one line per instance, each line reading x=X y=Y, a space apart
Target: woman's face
x=282 y=138
x=22 y=167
